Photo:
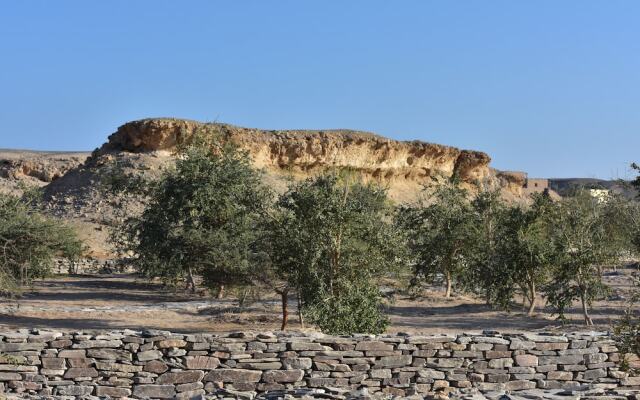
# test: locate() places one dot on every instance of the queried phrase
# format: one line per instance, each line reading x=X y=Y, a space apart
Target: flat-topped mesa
x=403 y=166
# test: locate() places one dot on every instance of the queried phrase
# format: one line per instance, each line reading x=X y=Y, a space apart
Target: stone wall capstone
x=162 y=365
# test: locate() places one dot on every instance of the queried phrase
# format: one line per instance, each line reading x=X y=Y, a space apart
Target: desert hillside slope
x=147 y=146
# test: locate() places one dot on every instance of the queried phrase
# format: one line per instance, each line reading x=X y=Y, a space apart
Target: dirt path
x=125 y=301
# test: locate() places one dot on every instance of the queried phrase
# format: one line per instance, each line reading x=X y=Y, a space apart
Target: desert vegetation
x=29 y=241
x=330 y=240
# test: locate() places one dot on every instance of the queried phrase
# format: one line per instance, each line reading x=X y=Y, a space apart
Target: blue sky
x=548 y=87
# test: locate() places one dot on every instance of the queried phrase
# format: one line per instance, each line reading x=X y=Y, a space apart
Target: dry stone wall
x=162 y=365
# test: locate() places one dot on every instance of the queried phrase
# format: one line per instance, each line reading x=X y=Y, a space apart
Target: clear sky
x=549 y=87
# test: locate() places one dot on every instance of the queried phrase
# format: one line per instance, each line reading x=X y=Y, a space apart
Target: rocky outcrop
x=160 y=364
x=29 y=168
x=405 y=167
x=512 y=181
x=45 y=167
x=146 y=147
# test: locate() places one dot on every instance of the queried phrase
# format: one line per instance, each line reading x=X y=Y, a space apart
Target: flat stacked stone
x=161 y=364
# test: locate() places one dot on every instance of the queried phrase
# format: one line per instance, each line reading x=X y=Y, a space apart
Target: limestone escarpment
x=147 y=146
x=405 y=167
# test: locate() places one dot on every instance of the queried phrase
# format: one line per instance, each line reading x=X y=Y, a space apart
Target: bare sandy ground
x=126 y=301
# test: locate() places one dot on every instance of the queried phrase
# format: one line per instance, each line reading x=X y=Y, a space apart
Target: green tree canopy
x=483 y=275
x=201 y=217
x=28 y=243
x=333 y=240
x=442 y=234
x=524 y=251
x=587 y=235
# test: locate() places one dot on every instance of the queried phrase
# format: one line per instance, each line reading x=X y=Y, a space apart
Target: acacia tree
x=332 y=241
x=201 y=217
x=28 y=243
x=585 y=236
x=441 y=235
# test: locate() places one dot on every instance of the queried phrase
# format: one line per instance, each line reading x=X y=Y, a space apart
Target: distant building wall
x=535 y=185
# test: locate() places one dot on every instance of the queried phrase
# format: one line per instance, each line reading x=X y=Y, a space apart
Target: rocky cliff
x=404 y=167
x=148 y=146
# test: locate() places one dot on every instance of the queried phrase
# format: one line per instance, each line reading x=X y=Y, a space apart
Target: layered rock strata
x=405 y=167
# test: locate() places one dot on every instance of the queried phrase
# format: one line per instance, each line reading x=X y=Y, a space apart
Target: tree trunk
x=285 y=308
x=220 y=294
x=243 y=298
x=585 y=310
x=448 y=279
x=525 y=297
x=532 y=298
x=191 y=280
x=300 y=312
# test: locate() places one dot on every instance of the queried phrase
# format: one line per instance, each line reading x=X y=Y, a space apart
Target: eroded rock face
x=30 y=168
x=147 y=147
x=402 y=166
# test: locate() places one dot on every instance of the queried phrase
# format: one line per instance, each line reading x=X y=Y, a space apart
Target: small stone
x=93 y=344
x=109 y=354
x=499 y=363
x=10 y=376
x=72 y=354
x=166 y=344
x=197 y=394
x=373 y=346
x=178 y=377
x=631 y=381
x=286 y=376
x=560 y=375
x=296 y=363
x=233 y=375
x=75 y=390
x=53 y=363
x=595 y=358
x=81 y=373
x=112 y=391
x=526 y=360
x=154 y=391
x=201 y=362
x=80 y=362
x=156 y=367
x=187 y=387
x=380 y=373
x=592 y=374
x=393 y=361
x=149 y=355
x=306 y=346
x=519 y=385
x=430 y=373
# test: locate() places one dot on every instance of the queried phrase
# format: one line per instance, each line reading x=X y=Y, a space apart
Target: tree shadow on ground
x=483 y=317
x=9 y=322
